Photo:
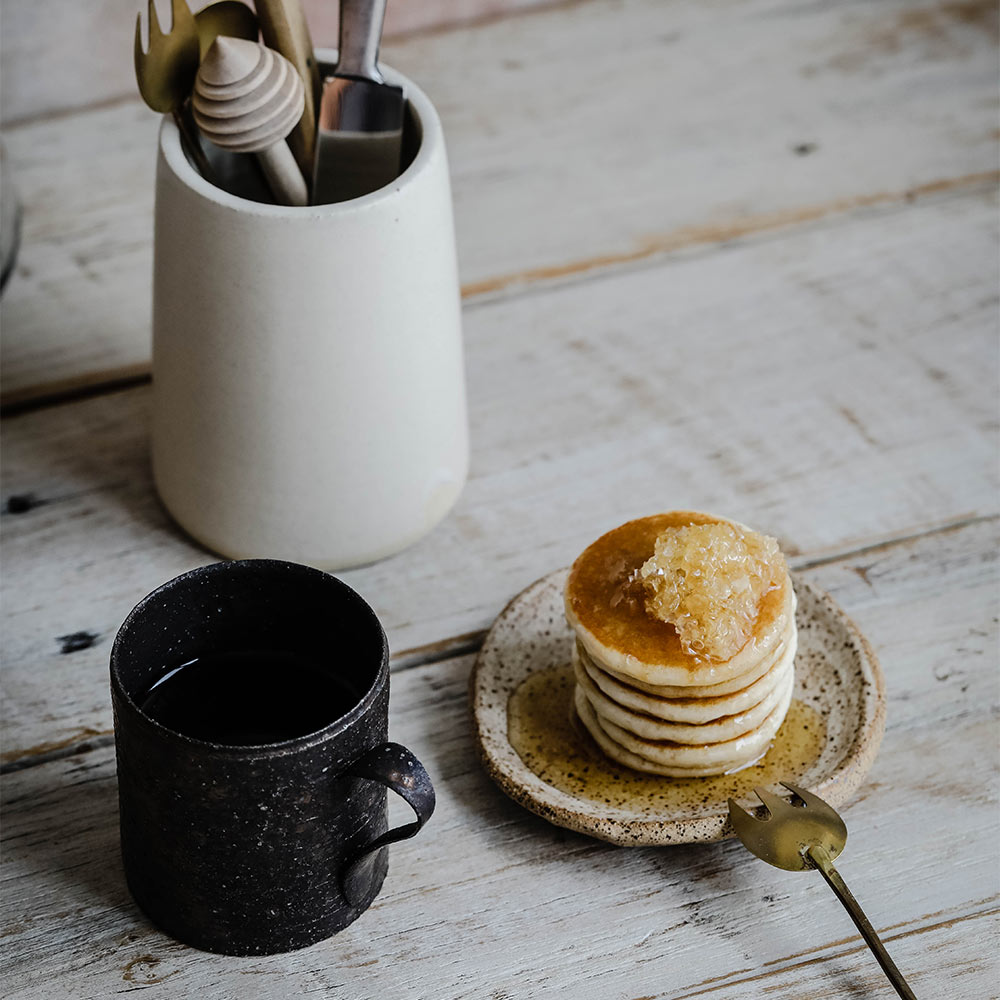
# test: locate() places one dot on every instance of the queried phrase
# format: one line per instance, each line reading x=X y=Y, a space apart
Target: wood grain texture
x=48 y=33
x=851 y=405
x=492 y=901
x=581 y=138
x=736 y=255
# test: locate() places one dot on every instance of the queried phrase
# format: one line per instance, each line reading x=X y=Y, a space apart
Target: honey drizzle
x=550 y=741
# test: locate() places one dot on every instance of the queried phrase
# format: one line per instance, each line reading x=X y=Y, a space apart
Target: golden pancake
x=657 y=731
x=695 y=704
x=679 y=760
x=726 y=727
x=608 y=613
x=733 y=685
x=724 y=754
x=620 y=755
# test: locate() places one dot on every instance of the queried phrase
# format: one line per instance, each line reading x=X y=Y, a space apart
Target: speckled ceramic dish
x=837 y=678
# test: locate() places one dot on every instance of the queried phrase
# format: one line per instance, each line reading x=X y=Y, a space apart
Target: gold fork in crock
x=165 y=74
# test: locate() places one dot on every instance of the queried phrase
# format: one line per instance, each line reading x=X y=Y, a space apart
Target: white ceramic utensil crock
x=308 y=380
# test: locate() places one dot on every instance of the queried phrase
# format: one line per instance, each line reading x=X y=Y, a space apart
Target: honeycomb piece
x=708 y=580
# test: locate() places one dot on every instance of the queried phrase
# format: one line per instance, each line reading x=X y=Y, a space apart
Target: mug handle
x=392 y=765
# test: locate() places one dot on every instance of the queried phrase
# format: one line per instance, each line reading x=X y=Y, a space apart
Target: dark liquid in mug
x=248 y=698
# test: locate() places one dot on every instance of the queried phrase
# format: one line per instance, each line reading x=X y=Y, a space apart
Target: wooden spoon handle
x=283 y=176
x=283 y=28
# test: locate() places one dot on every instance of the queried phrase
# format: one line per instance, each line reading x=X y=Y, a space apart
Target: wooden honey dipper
x=247 y=98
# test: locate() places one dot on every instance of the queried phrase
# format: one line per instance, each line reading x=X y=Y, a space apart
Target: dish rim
x=621 y=826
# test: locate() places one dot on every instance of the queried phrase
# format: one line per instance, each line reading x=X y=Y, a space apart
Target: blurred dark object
x=10 y=220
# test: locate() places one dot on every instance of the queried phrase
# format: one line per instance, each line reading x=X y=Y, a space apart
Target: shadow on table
x=682 y=893
x=61 y=827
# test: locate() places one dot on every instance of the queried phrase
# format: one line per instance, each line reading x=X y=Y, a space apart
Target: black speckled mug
x=258 y=849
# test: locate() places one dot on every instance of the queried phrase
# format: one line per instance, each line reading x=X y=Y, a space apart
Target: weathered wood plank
x=564 y=159
x=48 y=33
x=786 y=383
x=492 y=901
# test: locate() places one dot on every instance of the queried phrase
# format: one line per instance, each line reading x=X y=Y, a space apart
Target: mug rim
x=431 y=137
x=307 y=740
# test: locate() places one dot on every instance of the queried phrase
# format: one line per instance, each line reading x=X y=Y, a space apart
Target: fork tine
x=743 y=823
x=784 y=835
x=735 y=809
x=809 y=798
x=138 y=39
x=180 y=14
x=819 y=806
x=776 y=805
x=763 y=838
x=154 y=24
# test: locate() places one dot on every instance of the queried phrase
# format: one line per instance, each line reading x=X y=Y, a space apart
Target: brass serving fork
x=810 y=835
x=165 y=74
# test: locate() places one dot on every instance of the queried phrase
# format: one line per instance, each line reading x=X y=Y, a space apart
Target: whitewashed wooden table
x=737 y=255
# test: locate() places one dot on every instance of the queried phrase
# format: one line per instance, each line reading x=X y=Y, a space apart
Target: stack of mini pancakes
x=647 y=702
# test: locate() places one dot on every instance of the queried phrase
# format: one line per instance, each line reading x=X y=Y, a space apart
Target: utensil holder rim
x=431 y=142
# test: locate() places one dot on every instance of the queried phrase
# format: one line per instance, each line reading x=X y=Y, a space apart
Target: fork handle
x=822 y=860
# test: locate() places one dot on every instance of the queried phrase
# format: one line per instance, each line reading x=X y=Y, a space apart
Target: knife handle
x=360 y=33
